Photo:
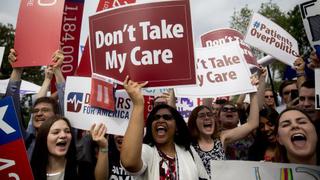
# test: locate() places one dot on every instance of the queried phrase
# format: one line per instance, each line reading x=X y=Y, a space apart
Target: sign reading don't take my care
x=150 y=42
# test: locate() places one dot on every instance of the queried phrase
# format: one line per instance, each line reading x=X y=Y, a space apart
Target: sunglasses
x=203 y=115
x=226 y=109
x=164 y=116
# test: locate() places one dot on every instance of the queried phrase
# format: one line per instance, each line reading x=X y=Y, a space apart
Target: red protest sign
x=222 y=36
x=70 y=37
x=149 y=42
x=102 y=94
x=84 y=68
x=38 y=32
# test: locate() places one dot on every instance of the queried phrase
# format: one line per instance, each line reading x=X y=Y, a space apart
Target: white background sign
x=272 y=39
x=310 y=12
x=1 y=54
x=250 y=170
x=82 y=115
x=221 y=71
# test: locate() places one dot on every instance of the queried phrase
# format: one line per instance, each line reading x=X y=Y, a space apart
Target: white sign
x=317 y=85
x=272 y=39
x=250 y=170
x=310 y=12
x=82 y=115
x=221 y=71
x=26 y=87
x=1 y=54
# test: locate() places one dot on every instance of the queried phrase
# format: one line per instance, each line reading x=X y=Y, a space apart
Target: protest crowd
x=273 y=126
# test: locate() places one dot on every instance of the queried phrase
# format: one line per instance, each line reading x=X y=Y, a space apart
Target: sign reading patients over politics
x=38 y=32
x=221 y=71
x=272 y=39
x=82 y=115
x=263 y=171
x=149 y=42
x=222 y=36
x=310 y=12
x=14 y=163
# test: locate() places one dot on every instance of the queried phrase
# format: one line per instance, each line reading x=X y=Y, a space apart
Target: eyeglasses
x=203 y=115
x=232 y=109
x=44 y=110
x=164 y=116
x=268 y=96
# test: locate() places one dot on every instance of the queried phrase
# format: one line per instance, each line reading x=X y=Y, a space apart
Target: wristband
x=104 y=150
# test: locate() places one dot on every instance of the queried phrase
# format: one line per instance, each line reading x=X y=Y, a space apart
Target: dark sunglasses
x=164 y=116
x=232 y=109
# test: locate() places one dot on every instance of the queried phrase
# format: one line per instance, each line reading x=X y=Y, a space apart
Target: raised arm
x=130 y=154
x=101 y=170
x=13 y=88
x=57 y=59
x=299 y=66
x=262 y=74
x=229 y=136
x=48 y=72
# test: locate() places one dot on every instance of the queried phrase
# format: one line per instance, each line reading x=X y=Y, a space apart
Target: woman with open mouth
x=165 y=151
x=297 y=138
x=208 y=142
x=264 y=147
x=54 y=155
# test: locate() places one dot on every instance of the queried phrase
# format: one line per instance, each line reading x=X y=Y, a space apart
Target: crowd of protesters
x=166 y=146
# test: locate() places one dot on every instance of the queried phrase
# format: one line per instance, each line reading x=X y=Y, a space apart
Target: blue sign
x=9 y=122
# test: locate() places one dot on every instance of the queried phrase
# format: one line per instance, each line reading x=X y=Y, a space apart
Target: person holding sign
x=209 y=143
x=164 y=152
x=44 y=107
x=54 y=155
x=297 y=138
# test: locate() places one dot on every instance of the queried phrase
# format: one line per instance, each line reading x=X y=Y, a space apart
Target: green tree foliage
x=33 y=74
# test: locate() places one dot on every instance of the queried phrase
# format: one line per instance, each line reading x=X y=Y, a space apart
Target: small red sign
x=102 y=94
x=149 y=42
x=38 y=32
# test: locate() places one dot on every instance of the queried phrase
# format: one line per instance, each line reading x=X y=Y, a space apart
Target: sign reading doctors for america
x=272 y=39
x=82 y=115
x=221 y=71
x=149 y=42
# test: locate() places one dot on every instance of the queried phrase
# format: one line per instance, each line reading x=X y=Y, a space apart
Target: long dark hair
x=282 y=150
x=181 y=137
x=261 y=143
x=40 y=155
x=192 y=124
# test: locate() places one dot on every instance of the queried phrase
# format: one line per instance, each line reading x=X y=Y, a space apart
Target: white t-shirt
x=188 y=167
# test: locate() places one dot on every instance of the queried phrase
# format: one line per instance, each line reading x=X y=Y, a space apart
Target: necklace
x=171 y=169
